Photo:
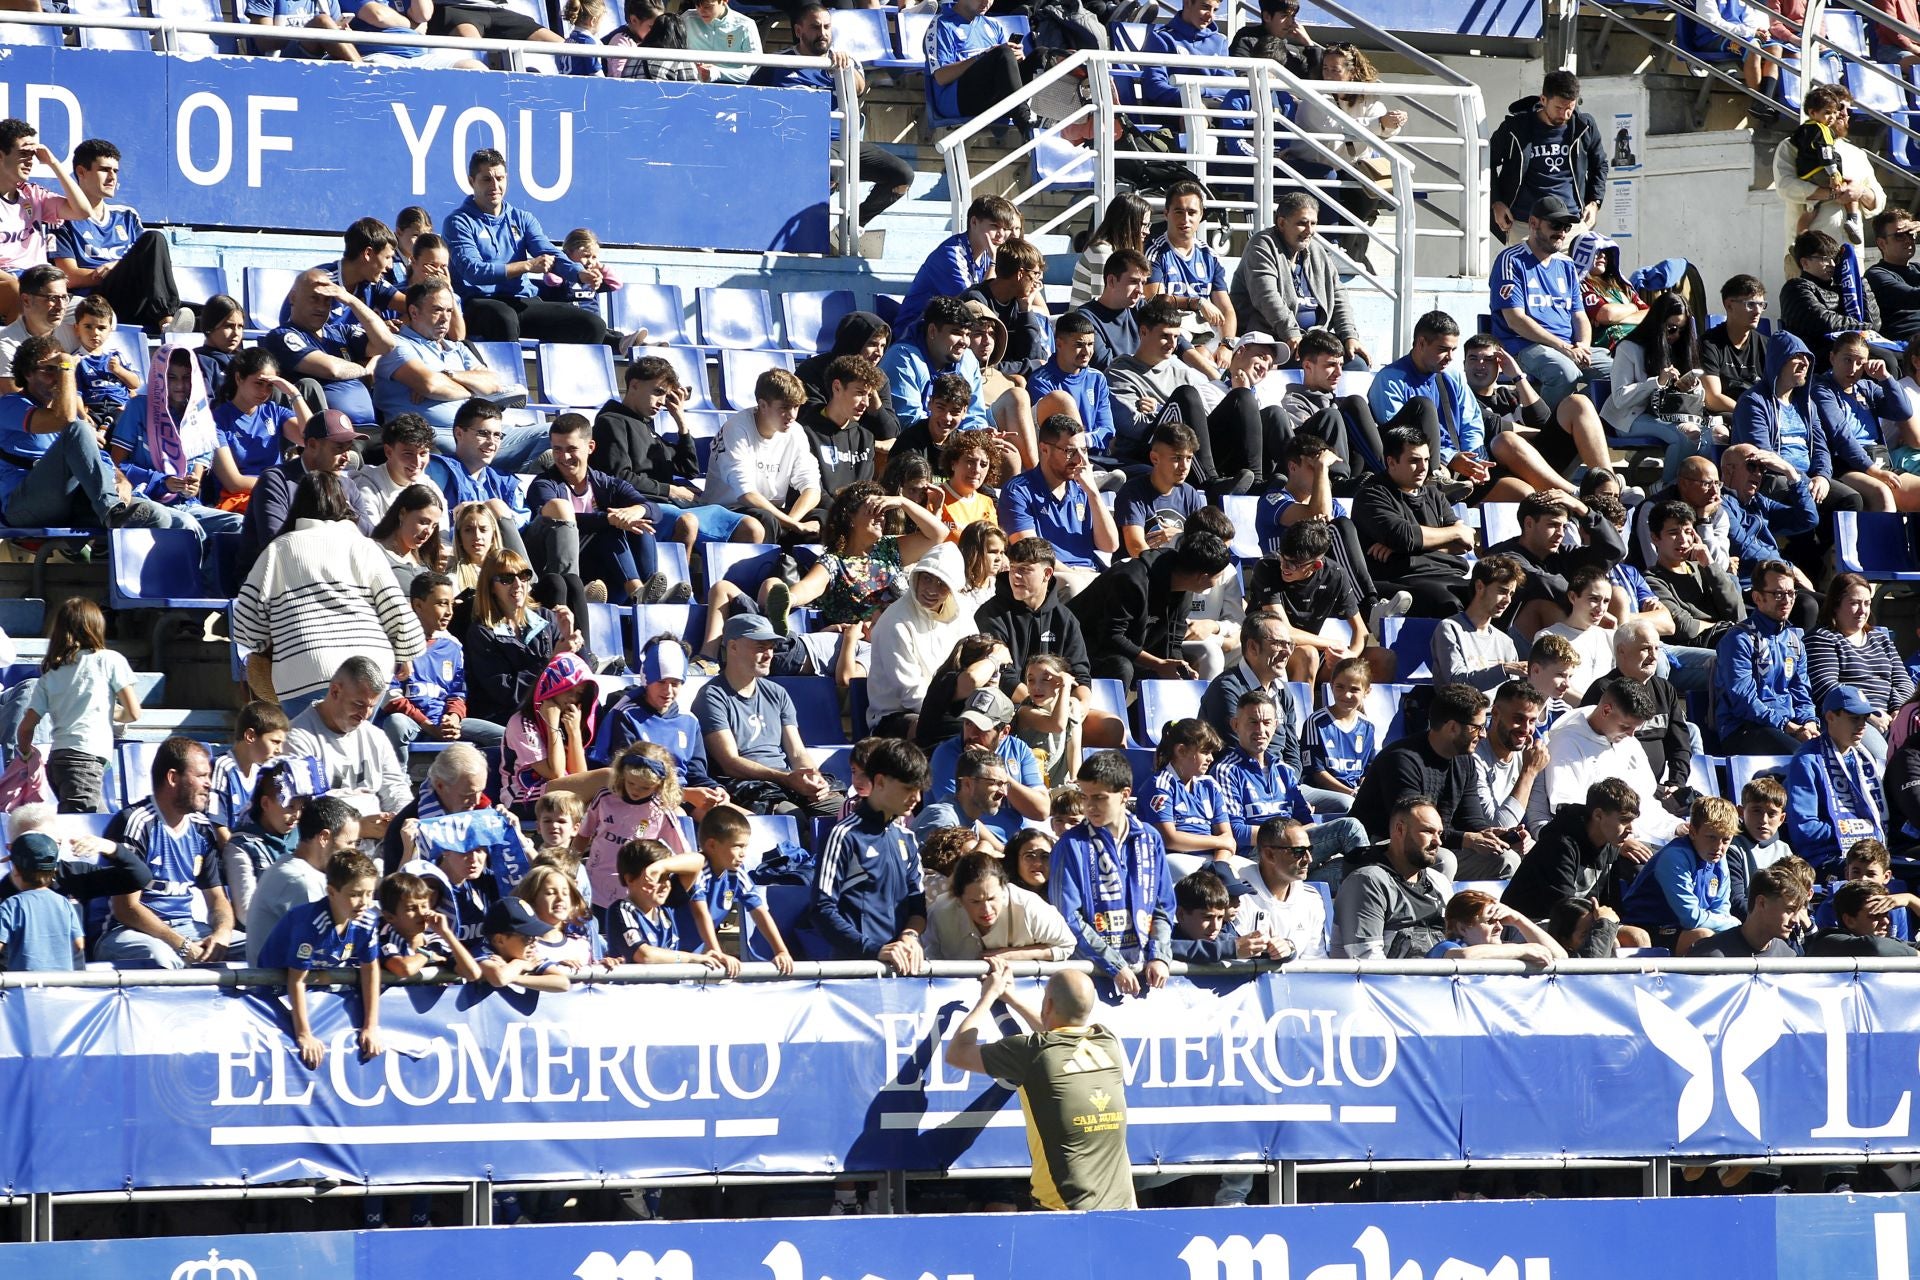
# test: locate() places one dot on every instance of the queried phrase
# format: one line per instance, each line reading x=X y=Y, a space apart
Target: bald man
x=1697 y=485
x=1072 y=1089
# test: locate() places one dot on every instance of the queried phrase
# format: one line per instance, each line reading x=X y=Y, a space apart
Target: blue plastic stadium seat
x=1743 y=769
x=690 y=366
x=109 y=37
x=744 y=564
x=786 y=903
x=1165 y=700
x=660 y=309
x=135 y=761
x=578 y=375
x=1382 y=707
x=1244 y=510
x=685 y=621
x=1877 y=544
x=196 y=11
x=739 y=370
x=915 y=30
x=1141 y=758
x=816 y=704
x=23 y=617
x=1411 y=642
x=198 y=284
x=605 y=632
x=505 y=359
x=887 y=306
x=1498 y=522
x=813 y=316
x=863 y=35
x=156 y=569
x=130 y=341
x=736 y=319
x=267 y=290
x=1111 y=696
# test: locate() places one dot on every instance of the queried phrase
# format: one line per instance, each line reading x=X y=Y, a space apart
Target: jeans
x=1335 y=837
x=1324 y=801
x=299 y=702
x=1556 y=376
x=402 y=731
x=1689 y=669
x=1681 y=444
x=127 y=948
x=518 y=452
x=73 y=480
x=1755 y=739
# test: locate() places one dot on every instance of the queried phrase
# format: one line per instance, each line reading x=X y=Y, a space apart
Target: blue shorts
x=716 y=524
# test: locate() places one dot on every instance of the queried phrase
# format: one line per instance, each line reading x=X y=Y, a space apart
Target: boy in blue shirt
x=1684 y=893
x=259 y=734
x=963 y=260
x=430 y=700
x=1110 y=880
x=639 y=928
x=39 y=929
x=414 y=933
x=334 y=933
x=1068 y=382
x=1152 y=509
x=869 y=901
x=105 y=384
x=724 y=833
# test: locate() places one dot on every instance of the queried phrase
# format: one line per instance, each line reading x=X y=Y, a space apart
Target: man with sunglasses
x=1731 y=359
x=1895 y=280
x=44 y=296
x=1278 y=901
x=1537 y=311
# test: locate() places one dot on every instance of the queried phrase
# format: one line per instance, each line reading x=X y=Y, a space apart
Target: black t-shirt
x=1310 y=602
x=1737 y=368
x=1731 y=944
x=1838 y=942
x=845 y=453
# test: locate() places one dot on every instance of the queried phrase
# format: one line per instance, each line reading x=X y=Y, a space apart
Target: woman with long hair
x=1845 y=647
x=511 y=639
x=983 y=553
x=410 y=532
x=1122 y=226
x=254 y=427
x=1656 y=383
x=1349 y=64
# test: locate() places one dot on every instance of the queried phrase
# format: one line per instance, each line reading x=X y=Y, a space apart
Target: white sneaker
x=182 y=321
x=1393 y=606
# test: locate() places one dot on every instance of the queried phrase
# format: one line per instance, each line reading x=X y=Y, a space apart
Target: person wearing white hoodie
x=764 y=466
x=915 y=635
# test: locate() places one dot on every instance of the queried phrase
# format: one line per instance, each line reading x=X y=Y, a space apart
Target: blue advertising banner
x=1752 y=1237
x=311 y=146
x=198 y=1086
x=1504 y=19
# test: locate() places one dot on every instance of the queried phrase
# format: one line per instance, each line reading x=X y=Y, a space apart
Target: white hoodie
x=910 y=642
x=1577 y=757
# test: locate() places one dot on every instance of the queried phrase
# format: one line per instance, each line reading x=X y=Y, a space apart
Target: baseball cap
x=987 y=709
x=1844 y=697
x=748 y=626
x=332 y=425
x=1553 y=209
x=663 y=660
x=35 y=851
x=511 y=915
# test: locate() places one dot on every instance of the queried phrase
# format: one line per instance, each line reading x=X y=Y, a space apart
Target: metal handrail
x=845 y=84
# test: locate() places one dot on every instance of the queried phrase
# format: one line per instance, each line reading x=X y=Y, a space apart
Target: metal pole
x=1657 y=1178
x=39 y=1217
x=853 y=128
x=1283 y=1183
x=476 y=1204
x=1263 y=147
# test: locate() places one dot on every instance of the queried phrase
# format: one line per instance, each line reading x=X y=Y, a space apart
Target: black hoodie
x=850 y=339
x=1517 y=183
x=626 y=446
x=1052 y=628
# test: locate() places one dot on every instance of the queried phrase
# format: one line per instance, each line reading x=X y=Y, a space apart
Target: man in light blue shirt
x=430 y=374
x=1537 y=313
x=974 y=63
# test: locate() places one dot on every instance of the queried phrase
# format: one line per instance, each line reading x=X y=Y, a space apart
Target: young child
x=414 y=933
x=1815 y=160
x=586 y=24
x=263 y=832
x=511 y=930
x=430 y=700
x=1684 y=893
x=39 y=927
x=259 y=734
x=639 y=928
x=572 y=942
x=1763 y=808
x=724 y=883
x=546 y=738
x=84 y=689
x=1589 y=595
x=556 y=820
x=940 y=852
x=1550 y=667
x=583 y=247
x=1049 y=720
x=1185 y=802
x=105 y=384
x=1340 y=743
x=1475 y=922
x=1111 y=882
x=1066 y=809
x=1203 y=924
x=642 y=802
x=335 y=933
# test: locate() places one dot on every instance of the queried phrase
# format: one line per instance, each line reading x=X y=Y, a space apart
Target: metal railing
x=1250 y=151
x=844 y=155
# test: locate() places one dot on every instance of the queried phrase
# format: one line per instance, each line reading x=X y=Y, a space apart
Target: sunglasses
x=1295 y=850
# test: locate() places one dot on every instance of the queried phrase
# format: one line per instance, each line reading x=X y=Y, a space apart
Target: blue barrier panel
x=1508 y=19
x=1751 y=1237
x=194 y=1087
x=236 y=142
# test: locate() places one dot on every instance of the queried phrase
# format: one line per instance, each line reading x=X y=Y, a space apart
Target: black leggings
x=140 y=287
x=511 y=319
x=890 y=176
x=994 y=75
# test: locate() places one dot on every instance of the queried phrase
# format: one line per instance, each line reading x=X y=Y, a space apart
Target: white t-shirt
x=1595 y=647
x=746 y=462
x=77 y=701
x=1301 y=916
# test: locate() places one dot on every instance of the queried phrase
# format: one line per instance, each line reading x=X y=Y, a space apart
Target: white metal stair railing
x=1818 y=51
x=843 y=154
x=1245 y=188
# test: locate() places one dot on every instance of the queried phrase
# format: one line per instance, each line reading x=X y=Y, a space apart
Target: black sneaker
x=138 y=514
x=678 y=593
x=654 y=590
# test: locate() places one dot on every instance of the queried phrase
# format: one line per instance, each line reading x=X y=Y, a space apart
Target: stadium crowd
x=1172 y=626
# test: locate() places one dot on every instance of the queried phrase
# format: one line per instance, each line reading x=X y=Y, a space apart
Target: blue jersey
x=307 y=938
x=1257 y=790
x=99 y=388
x=19 y=447
x=1027 y=505
x=392 y=944
x=437 y=675
x=256 y=440
x=1267 y=527
x=1194 y=808
x=1198 y=273
x=92 y=244
x=1548 y=292
x=232 y=797
x=628 y=929
x=954 y=38
x=723 y=890
x=1344 y=753
x=185 y=862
